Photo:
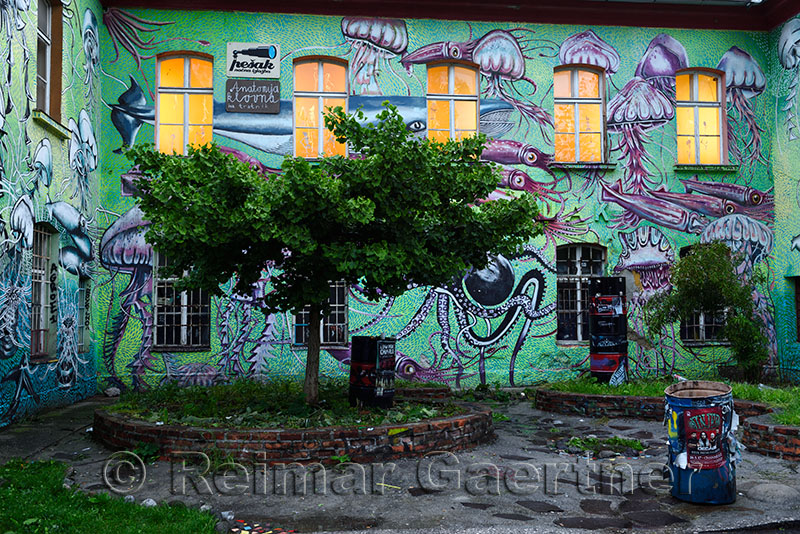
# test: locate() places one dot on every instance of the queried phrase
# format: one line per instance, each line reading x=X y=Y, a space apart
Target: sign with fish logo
x=253 y=60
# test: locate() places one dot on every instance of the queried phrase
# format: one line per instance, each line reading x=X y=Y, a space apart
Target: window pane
x=439 y=114
x=201 y=73
x=466 y=115
x=706 y=88
x=306 y=142
x=334 y=76
x=683 y=87
x=589 y=117
x=565 y=117
x=709 y=121
x=170 y=108
x=565 y=147
x=709 y=150
x=305 y=112
x=170 y=139
x=331 y=147
x=562 y=88
x=463 y=134
x=590 y=147
x=306 y=76
x=686 y=151
x=201 y=109
x=439 y=135
x=588 y=84
x=437 y=80
x=44 y=17
x=332 y=103
x=199 y=135
x=171 y=72
x=685 y=120
x=465 y=81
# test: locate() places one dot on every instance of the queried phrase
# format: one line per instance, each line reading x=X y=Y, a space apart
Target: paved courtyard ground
x=527 y=480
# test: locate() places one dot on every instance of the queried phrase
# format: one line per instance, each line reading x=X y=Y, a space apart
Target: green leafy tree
x=400 y=211
x=706 y=280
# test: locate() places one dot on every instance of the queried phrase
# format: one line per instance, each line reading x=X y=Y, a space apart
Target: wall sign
x=253 y=96
x=253 y=60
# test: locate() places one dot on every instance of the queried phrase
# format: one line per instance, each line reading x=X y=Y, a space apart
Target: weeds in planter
x=275 y=404
x=498 y=417
x=148 y=452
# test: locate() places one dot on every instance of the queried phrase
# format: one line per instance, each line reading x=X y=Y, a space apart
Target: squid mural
x=492 y=325
x=48 y=221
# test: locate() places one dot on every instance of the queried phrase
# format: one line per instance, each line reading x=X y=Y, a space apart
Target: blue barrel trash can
x=702 y=448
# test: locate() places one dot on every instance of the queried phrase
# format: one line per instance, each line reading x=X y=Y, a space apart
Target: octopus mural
x=494 y=325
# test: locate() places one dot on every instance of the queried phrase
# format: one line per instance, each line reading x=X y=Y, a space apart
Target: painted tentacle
x=420 y=316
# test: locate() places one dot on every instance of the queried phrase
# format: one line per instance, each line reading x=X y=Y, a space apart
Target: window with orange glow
x=319 y=84
x=185 y=103
x=452 y=102
x=578 y=95
x=699 y=115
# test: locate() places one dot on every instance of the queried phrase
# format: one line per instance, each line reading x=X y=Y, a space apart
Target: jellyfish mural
x=745 y=80
x=789 y=56
x=124 y=29
x=22 y=221
x=500 y=56
x=586 y=48
x=637 y=109
x=663 y=57
x=375 y=41
x=91 y=51
x=42 y=164
x=82 y=154
x=123 y=250
x=15 y=328
x=75 y=259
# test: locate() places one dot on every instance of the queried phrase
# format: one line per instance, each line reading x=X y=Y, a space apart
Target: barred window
x=576 y=264
x=333 y=330
x=84 y=293
x=182 y=319
x=41 y=264
x=702 y=326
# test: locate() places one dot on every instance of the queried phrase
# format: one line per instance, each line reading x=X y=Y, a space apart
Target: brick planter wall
x=649 y=408
x=762 y=435
x=276 y=446
x=433 y=393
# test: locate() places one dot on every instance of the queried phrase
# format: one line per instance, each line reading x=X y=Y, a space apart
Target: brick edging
x=764 y=436
x=630 y=406
x=275 y=446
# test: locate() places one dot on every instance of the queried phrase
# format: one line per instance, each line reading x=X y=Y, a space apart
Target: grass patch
x=615 y=444
x=275 y=404
x=33 y=499
x=786 y=400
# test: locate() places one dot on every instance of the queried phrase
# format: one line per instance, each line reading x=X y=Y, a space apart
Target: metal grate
x=333 y=330
x=40 y=303
x=182 y=319
x=576 y=264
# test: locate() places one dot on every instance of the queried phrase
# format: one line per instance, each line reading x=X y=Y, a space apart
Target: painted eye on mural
x=530 y=157
x=416 y=126
x=455 y=52
x=518 y=181
x=408 y=369
x=755 y=198
x=729 y=208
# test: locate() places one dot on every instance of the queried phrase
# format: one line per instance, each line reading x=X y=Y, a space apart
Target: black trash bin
x=372 y=364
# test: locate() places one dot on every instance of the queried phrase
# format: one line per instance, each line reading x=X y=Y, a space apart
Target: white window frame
x=185 y=336
x=320 y=94
x=451 y=97
x=41 y=262
x=45 y=38
x=581 y=280
x=185 y=91
x=697 y=104
x=329 y=322
x=577 y=101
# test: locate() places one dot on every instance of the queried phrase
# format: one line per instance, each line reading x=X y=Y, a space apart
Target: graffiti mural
x=496 y=325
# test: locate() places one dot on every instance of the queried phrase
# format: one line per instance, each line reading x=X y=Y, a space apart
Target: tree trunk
x=311 y=384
